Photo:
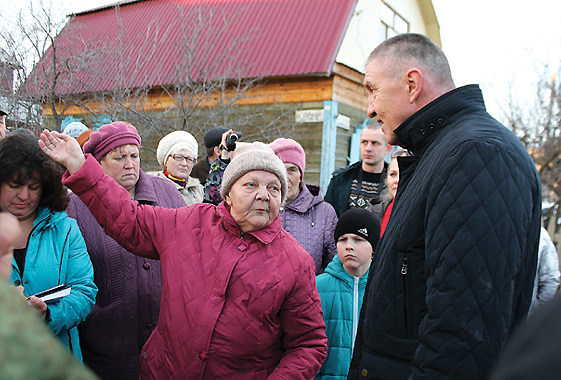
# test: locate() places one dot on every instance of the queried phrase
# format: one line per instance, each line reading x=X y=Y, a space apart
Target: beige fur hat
x=173 y=142
x=249 y=157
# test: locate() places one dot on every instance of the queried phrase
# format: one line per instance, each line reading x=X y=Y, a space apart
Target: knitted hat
x=290 y=151
x=84 y=137
x=250 y=157
x=360 y=222
x=111 y=136
x=174 y=142
x=74 y=129
x=213 y=136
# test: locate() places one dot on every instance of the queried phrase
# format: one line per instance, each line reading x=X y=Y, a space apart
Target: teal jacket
x=341 y=299
x=57 y=254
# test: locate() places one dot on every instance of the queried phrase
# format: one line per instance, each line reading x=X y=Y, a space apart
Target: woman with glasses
x=177 y=154
x=128 y=301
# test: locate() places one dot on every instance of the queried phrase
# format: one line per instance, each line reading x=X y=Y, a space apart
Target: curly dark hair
x=22 y=159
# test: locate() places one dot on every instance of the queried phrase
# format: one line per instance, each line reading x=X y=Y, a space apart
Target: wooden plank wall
x=281 y=97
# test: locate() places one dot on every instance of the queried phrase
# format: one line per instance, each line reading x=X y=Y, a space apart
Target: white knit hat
x=173 y=142
x=250 y=157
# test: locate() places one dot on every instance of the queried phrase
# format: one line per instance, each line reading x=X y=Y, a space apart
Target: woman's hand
x=37 y=302
x=63 y=149
x=39 y=305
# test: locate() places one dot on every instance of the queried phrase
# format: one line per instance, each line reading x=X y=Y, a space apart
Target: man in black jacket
x=359 y=185
x=454 y=271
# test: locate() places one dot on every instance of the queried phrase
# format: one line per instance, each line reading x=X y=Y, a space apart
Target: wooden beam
x=288 y=90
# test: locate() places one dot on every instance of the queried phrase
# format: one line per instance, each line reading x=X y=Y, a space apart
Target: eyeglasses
x=400 y=152
x=180 y=158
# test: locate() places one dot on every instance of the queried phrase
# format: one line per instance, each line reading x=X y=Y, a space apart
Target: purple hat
x=290 y=151
x=111 y=136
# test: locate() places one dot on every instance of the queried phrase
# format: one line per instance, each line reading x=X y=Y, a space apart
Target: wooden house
x=305 y=58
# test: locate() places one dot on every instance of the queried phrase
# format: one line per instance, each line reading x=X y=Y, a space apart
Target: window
x=392 y=23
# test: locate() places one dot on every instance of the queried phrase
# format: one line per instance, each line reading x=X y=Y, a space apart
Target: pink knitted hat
x=110 y=136
x=290 y=151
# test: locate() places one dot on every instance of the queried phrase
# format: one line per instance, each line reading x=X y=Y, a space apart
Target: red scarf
x=386 y=218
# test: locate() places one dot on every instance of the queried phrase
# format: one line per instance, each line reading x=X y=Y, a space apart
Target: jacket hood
x=335 y=269
x=47 y=218
x=310 y=195
x=419 y=129
x=145 y=189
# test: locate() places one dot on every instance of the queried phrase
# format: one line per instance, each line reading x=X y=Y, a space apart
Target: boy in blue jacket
x=341 y=288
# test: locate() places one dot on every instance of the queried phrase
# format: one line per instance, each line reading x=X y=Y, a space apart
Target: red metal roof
x=145 y=43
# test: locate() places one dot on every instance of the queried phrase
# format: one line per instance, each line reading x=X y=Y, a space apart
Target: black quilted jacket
x=455 y=267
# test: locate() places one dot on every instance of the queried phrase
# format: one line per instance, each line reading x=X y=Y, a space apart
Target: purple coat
x=312 y=221
x=128 y=302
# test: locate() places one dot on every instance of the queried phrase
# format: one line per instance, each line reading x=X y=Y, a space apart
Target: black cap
x=360 y=222
x=2 y=113
x=213 y=136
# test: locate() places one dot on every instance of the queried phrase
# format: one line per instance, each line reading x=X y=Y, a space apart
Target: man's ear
x=414 y=83
x=389 y=148
x=217 y=151
x=228 y=200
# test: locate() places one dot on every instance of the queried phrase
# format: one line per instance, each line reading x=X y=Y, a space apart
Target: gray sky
x=496 y=43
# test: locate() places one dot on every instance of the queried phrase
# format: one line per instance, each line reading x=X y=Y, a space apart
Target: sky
x=499 y=44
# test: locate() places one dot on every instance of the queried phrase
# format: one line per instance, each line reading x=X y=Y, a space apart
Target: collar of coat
x=144 y=191
x=420 y=129
x=309 y=196
x=265 y=235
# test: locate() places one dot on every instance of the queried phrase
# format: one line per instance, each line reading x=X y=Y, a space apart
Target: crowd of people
x=419 y=263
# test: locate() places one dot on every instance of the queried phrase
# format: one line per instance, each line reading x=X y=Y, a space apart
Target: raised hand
x=63 y=149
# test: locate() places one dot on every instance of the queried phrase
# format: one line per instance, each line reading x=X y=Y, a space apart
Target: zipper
x=407 y=308
x=62 y=256
x=404 y=266
x=355 y=312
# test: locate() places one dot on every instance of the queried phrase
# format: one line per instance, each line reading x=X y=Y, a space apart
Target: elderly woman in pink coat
x=238 y=292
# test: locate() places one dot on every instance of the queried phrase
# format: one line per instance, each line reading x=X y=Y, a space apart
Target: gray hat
x=250 y=157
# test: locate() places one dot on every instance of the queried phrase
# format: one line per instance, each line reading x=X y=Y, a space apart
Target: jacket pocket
x=407 y=298
x=376 y=367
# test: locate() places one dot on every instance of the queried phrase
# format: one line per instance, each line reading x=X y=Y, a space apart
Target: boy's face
x=355 y=253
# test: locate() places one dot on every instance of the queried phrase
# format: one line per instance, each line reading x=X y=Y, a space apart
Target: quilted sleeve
x=478 y=268
x=304 y=340
x=135 y=227
x=329 y=247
